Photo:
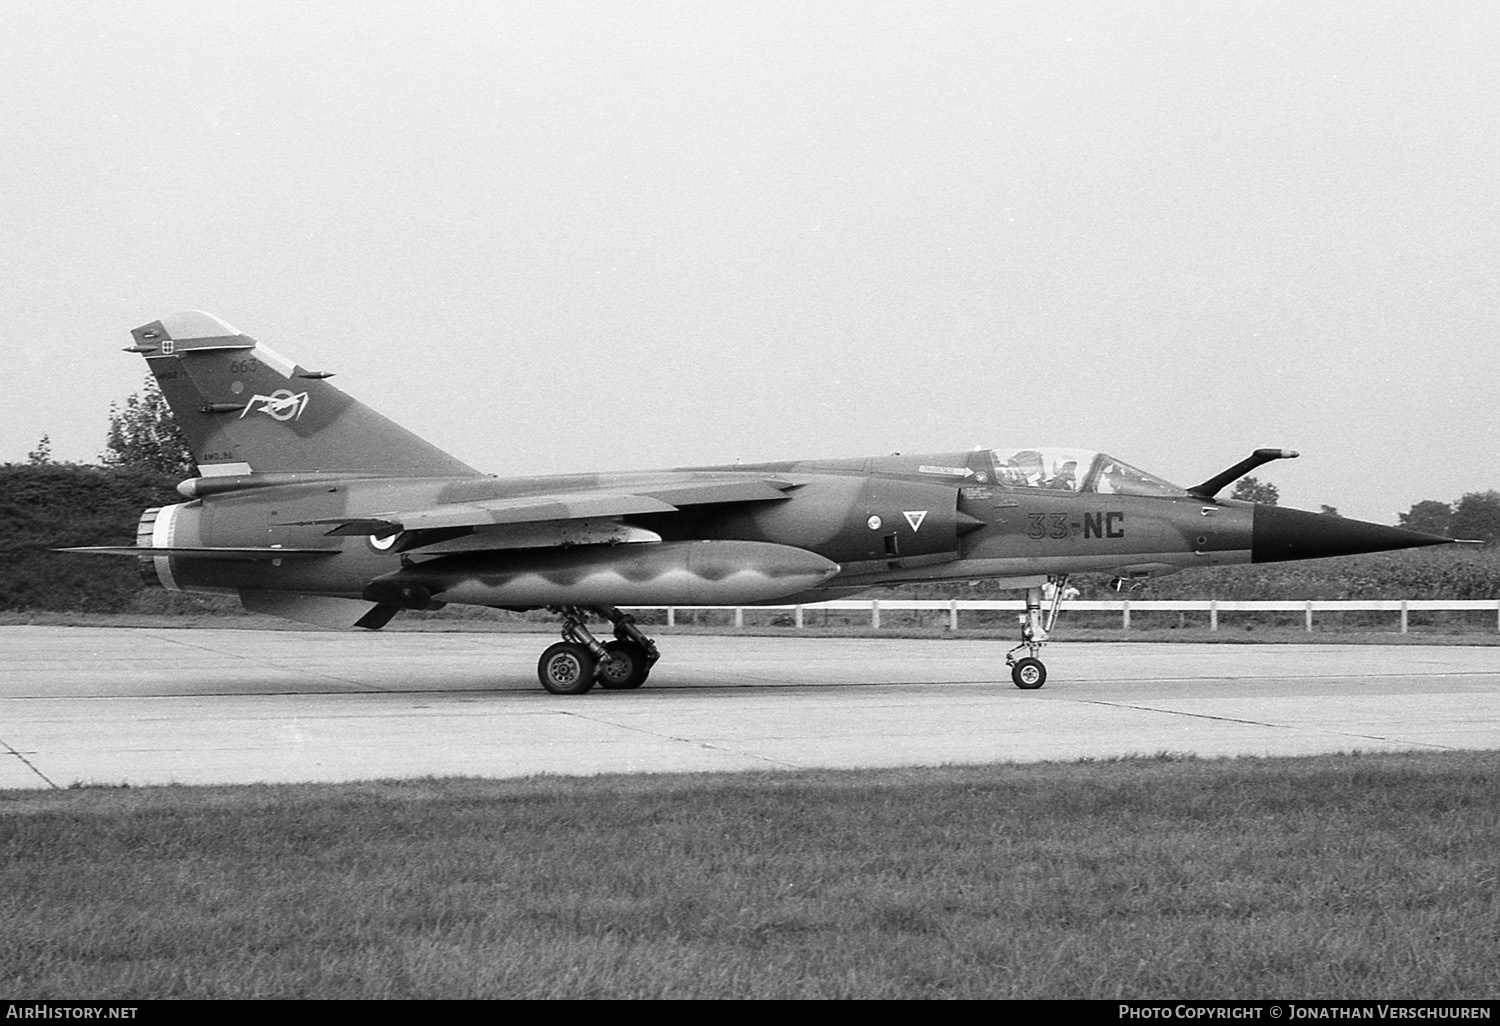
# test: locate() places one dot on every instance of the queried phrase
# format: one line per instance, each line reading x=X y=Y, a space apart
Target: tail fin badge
x=282 y=404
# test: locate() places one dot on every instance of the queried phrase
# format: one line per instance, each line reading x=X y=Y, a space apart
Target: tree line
x=142 y=436
x=1475 y=516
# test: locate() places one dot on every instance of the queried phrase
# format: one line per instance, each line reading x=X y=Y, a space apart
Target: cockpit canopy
x=1075 y=470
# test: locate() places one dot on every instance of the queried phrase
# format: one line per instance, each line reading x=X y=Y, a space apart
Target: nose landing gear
x=1028 y=672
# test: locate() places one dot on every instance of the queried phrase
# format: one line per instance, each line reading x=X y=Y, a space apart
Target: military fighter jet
x=313 y=507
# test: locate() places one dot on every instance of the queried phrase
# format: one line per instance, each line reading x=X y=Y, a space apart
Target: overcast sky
x=564 y=236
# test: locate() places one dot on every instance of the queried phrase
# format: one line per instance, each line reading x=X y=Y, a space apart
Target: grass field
x=1371 y=876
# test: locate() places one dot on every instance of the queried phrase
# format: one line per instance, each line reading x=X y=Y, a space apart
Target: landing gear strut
x=575 y=664
x=1028 y=672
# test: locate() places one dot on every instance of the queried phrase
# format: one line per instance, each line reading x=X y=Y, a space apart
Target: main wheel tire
x=1029 y=674
x=566 y=669
x=624 y=666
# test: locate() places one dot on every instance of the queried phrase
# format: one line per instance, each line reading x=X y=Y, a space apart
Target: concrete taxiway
x=158 y=705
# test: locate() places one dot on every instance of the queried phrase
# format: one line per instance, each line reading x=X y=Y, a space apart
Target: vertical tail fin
x=246 y=409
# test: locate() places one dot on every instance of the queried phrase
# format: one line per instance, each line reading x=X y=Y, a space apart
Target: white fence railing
x=1213 y=607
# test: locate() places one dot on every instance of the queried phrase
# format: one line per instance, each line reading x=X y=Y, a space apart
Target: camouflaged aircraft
x=313 y=507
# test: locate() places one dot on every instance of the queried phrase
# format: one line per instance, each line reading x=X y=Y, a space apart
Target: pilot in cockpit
x=1066 y=477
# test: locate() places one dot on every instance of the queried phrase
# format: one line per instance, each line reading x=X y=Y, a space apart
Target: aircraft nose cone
x=1280 y=534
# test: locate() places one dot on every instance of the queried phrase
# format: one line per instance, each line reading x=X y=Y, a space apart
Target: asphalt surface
x=144 y=706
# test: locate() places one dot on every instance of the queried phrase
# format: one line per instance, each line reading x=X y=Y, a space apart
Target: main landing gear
x=1028 y=672
x=578 y=662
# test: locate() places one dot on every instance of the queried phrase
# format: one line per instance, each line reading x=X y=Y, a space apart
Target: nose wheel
x=1028 y=673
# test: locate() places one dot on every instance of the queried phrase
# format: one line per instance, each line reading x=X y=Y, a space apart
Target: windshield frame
x=1064 y=470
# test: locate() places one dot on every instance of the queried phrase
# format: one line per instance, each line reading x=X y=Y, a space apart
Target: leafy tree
x=1428 y=516
x=144 y=435
x=41 y=456
x=1478 y=516
x=1330 y=511
x=1251 y=490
